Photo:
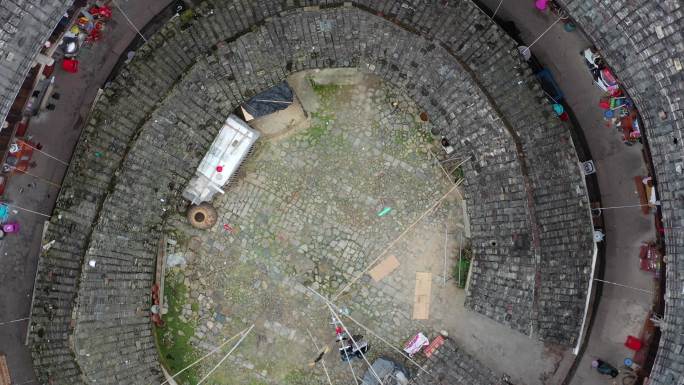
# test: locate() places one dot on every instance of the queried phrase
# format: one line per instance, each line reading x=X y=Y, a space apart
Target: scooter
x=602 y=75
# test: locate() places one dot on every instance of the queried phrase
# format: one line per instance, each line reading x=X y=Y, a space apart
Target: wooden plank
x=421 y=303
x=643 y=192
x=384 y=268
x=4 y=371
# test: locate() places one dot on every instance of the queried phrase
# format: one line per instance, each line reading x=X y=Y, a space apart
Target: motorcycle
x=602 y=75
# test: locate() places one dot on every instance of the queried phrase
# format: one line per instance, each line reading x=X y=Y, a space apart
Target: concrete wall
x=643 y=41
x=525 y=192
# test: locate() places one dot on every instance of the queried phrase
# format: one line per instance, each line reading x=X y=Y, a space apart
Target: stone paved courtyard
x=304 y=213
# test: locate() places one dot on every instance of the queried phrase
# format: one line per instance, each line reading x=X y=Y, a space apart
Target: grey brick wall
x=525 y=192
x=643 y=42
x=24 y=26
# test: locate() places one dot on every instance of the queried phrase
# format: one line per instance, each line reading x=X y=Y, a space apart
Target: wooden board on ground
x=4 y=371
x=421 y=302
x=384 y=268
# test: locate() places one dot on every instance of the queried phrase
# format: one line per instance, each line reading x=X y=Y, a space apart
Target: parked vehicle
x=602 y=75
x=389 y=371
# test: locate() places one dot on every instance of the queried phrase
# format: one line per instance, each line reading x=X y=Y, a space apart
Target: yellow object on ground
x=421 y=302
x=384 y=268
x=4 y=371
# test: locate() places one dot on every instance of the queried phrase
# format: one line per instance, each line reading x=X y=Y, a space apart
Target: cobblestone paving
x=304 y=212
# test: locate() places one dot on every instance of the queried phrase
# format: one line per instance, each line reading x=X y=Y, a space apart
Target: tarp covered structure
x=276 y=98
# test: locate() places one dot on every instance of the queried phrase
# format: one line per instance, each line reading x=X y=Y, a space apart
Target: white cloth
x=416 y=344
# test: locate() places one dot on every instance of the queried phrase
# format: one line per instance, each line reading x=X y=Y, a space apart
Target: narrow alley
x=622 y=311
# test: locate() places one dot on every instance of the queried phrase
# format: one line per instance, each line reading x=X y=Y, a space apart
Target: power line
x=460 y=255
x=497 y=9
x=116 y=3
x=13 y=321
x=337 y=318
x=455 y=157
x=23 y=383
x=461 y=163
x=24 y=209
x=346 y=355
x=389 y=246
x=205 y=356
x=325 y=369
x=244 y=335
x=600 y=209
x=625 y=286
x=540 y=36
x=535 y=40
x=441 y=167
x=627 y=206
x=35 y=176
x=25 y=143
x=328 y=302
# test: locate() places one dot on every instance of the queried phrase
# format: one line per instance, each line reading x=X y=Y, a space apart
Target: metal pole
x=446 y=238
x=460 y=253
x=442 y=167
x=450 y=159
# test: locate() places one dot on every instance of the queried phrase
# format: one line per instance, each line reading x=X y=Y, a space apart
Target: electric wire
x=244 y=335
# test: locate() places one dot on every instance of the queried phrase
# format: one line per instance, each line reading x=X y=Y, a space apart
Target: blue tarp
x=276 y=98
x=4 y=213
x=549 y=85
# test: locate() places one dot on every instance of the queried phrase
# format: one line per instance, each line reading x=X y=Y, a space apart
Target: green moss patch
x=173 y=338
x=462 y=267
x=320 y=126
x=324 y=91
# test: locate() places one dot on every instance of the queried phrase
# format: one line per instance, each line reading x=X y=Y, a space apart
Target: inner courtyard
x=344 y=179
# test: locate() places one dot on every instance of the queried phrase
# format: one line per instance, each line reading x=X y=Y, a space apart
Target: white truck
x=230 y=148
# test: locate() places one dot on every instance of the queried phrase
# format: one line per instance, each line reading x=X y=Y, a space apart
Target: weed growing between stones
x=299 y=377
x=257 y=382
x=182 y=239
x=320 y=125
x=173 y=338
x=458 y=173
x=424 y=133
x=462 y=267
